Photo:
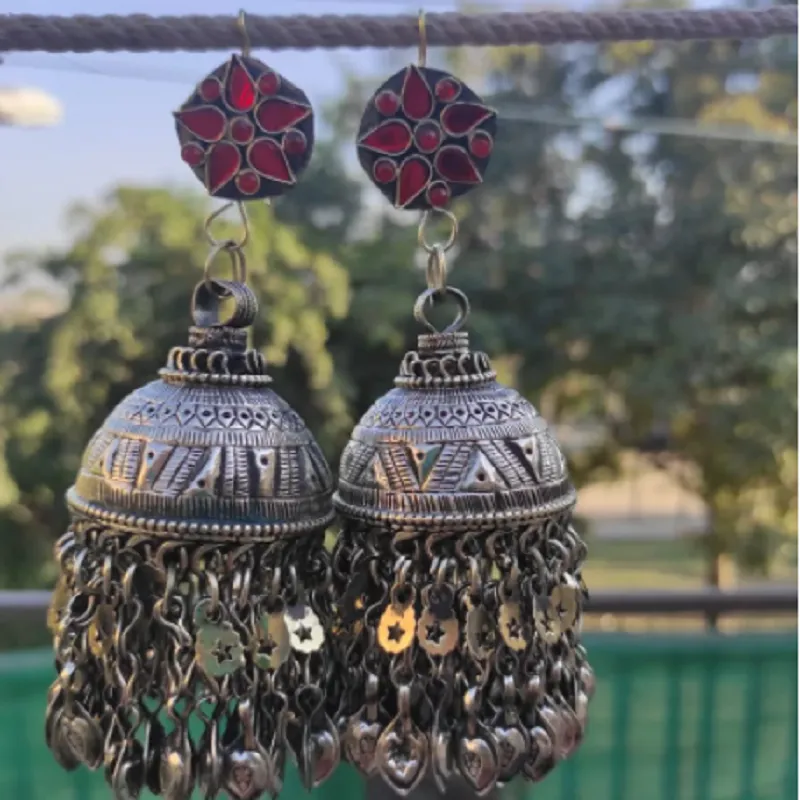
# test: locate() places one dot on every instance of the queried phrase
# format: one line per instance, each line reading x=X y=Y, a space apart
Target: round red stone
x=193 y=154
x=384 y=170
x=242 y=130
x=387 y=102
x=248 y=182
x=480 y=144
x=428 y=137
x=268 y=83
x=438 y=195
x=294 y=142
x=210 y=89
x=447 y=89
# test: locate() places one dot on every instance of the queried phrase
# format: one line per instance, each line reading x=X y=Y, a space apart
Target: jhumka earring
x=457 y=573
x=187 y=619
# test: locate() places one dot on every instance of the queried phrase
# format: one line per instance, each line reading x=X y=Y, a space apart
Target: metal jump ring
x=436 y=271
x=429 y=298
x=451 y=239
x=208 y=297
x=238 y=262
x=213 y=241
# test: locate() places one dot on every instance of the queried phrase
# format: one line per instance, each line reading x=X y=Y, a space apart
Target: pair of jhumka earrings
x=203 y=630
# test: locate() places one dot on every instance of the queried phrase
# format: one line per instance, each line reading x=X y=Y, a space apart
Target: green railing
x=706 y=717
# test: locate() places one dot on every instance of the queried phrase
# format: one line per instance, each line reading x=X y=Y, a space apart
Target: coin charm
x=305 y=632
x=271 y=647
x=396 y=629
x=438 y=637
x=511 y=628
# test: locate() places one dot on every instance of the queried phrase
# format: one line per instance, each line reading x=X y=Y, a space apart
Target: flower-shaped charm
x=246 y=131
x=425 y=138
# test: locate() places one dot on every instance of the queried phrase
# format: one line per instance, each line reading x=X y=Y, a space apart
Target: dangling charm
x=457 y=573
x=189 y=624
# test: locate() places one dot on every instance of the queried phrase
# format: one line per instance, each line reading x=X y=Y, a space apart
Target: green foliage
x=643 y=283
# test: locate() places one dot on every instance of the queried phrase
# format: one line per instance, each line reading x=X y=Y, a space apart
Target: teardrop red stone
x=454 y=165
x=205 y=122
x=414 y=176
x=460 y=118
x=266 y=157
x=391 y=137
x=240 y=89
x=276 y=114
x=222 y=164
x=417 y=96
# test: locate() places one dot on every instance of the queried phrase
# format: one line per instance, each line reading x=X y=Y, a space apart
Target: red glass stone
x=414 y=176
x=269 y=83
x=242 y=130
x=417 y=97
x=276 y=114
x=428 y=136
x=447 y=89
x=460 y=118
x=294 y=142
x=384 y=170
x=193 y=154
x=438 y=195
x=239 y=86
x=391 y=137
x=387 y=102
x=480 y=144
x=222 y=164
x=210 y=90
x=205 y=122
x=247 y=182
x=267 y=158
x=454 y=165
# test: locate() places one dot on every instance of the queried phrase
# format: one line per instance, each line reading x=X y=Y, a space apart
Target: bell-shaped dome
x=450 y=446
x=207 y=451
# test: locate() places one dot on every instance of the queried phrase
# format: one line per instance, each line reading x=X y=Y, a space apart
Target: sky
x=118 y=126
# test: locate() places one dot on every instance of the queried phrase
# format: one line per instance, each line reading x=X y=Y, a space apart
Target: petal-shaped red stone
x=277 y=114
x=391 y=138
x=267 y=158
x=454 y=165
x=240 y=90
x=460 y=118
x=417 y=95
x=205 y=122
x=415 y=174
x=222 y=164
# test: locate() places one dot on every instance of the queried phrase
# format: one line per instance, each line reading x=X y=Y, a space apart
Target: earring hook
x=423 y=39
x=241 y=24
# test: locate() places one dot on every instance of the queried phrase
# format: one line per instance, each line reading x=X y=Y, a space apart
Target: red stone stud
x=447 y=89
x=480 y=144
x=438 y=195
x=387 y=103
x=210 y=90
x=242 y=130
x=294 y=142
x=384 y=170
x=247 y=182
x=427 y=136
x=269 y=83
x=193 y=154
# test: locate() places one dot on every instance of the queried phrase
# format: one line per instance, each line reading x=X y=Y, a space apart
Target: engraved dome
x=208 y=451
x=451 y=446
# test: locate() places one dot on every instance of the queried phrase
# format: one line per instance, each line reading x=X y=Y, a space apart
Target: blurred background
x=632 y=265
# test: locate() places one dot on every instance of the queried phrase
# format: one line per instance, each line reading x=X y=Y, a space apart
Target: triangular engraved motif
x=156 y=454
x=108 y=459
x=481 y=475
x=310 y=473
x=423 y=459
x=204 y=482
x=528 y=451
x=377 y=470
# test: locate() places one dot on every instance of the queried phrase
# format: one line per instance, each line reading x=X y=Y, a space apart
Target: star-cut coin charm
x=425 y=138
x=246 y=131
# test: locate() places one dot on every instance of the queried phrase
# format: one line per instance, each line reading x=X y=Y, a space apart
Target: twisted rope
x=140 y=32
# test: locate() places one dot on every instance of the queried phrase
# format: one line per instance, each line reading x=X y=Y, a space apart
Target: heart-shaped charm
x=555 y=725
x=477 y=762
x=210 y=764
x=361 y=742
x=582 y=712
x=77 y=739
x=127 y=777
x=512 y=748
x=540 y=759
x=402 y=758
x=441 y=756
x=247 y=774
x=587 y=680
x=323 y=754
